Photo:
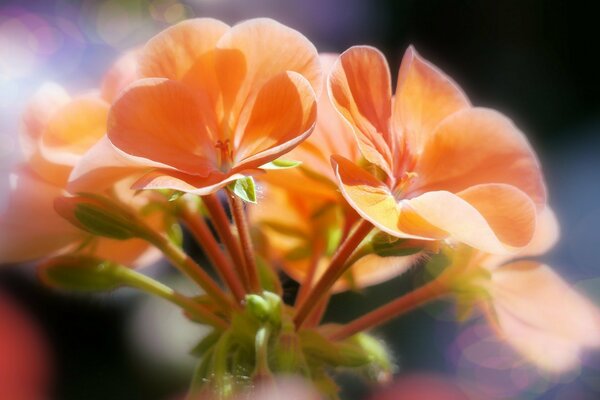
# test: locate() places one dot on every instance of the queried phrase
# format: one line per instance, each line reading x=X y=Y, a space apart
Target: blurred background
x=532 y=60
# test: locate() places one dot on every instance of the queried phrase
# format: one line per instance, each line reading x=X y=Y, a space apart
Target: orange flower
x=440 y=167
x=214 y=103
x=533 y=309
x=302 y=214
x=58 y=131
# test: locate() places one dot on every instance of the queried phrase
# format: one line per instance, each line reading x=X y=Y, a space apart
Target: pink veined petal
x=332 y=134
x=162 y=121
x=359 y=86
x=424 y=97
x=462 y=222
x=372 y=200
x=476 y=146
x=172 y=52
x=282 y=116
x=101 y=167
x=252 y=52
x=510 y=213
x=71 y=131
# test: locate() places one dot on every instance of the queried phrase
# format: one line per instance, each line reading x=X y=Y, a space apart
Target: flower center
x=224 y=154
x=402 y=185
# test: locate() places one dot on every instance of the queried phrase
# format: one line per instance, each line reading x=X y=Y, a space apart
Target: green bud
x=379 y=367
x=82 y=273
x=258 y=307
x=98 y=216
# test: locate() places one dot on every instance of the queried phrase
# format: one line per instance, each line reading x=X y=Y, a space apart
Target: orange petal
x=332 y=134
x=542 y=316
x=373 y=269
x=123 y=72
x=510 y=213
x=172 y=52
x=360 y=88
x=135 y=253
x=424 y=96
x=282 y=115
x=461 y=220
x=45 y=102
x=167 y=179
x=476 y=146
x=29 y=227
x=162 y=121
x=101 y=167
x=369 y=197
x=546 y=234
x=253 y=52
x=73 y=128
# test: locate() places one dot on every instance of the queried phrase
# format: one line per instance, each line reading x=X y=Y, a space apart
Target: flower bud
x=98 y=216
x=73 y=272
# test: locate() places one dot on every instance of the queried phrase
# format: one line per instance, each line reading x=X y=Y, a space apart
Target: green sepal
x=268 y=277
x=207 y=342
x=82 y=273
x=99 y=216
x=385 y=245
x=281 y=163
x=245 y=189
x=379 y=367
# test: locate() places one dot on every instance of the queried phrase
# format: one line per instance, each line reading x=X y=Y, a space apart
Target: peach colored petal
x=45 y=102
x=546 y=234
x=172 y=52
x=253 y=52
x=73 y=129
x=373 y=269
x=424 y=97
x=101 y=167
x=135 y=253
x=29 y=227
x=303 y=183
x=282 y=115
x=332 y=135
x=462 y=221
x=162 y=121
x=510 y=213
x=542 y=316
x=360 y=88
x=475 y=146
x=167 y=179
x=122 y=73
x=369 y=197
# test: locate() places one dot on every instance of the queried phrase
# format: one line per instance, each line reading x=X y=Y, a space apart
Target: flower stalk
x=207 y=241
x=336 y=269
x=239 y=217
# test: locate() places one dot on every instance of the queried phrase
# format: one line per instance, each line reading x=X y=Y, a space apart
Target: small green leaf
x=281 y=164
x=245 y=189
x=176 y=195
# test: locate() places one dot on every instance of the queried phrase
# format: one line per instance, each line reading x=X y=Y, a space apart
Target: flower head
x=58 y=130
x=440 y=168
x=533 y=308
x=213 y=103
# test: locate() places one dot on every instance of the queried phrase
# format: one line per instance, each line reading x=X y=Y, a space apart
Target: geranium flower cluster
x=307 y=166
